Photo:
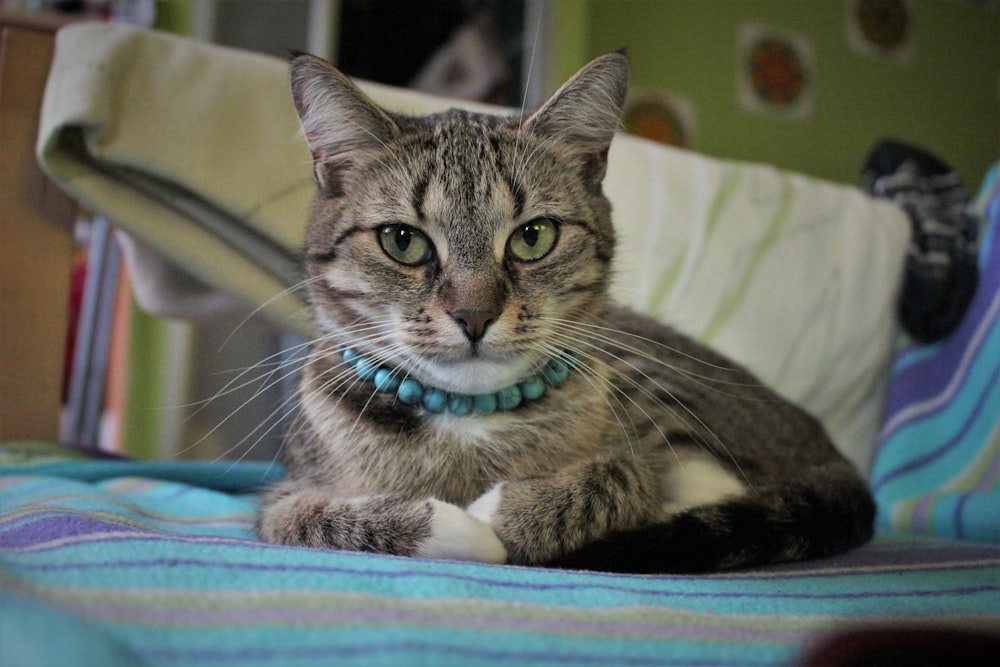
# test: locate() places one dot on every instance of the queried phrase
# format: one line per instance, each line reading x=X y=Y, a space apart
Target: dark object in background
x=392 y=42
x=388 y=41
x=942 y=269
x=910 y=646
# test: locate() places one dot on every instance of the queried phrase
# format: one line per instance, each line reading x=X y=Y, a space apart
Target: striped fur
x=657 y=454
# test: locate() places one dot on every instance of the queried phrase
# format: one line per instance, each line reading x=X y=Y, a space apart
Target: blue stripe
x=962 y=426
x=390 y=646
x=230 y=570
x=99 y=554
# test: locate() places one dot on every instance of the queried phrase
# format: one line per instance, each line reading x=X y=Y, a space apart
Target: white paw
x=485 y=506
x=455 y=535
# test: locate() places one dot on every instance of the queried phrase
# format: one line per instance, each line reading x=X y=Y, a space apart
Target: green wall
x=946 y=98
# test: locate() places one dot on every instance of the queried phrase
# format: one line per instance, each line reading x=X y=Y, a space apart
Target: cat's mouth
x=478 y=373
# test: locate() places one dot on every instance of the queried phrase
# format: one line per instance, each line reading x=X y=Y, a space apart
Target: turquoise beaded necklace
x=432 y=399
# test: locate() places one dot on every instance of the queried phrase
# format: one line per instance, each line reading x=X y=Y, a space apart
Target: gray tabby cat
x=475 y=395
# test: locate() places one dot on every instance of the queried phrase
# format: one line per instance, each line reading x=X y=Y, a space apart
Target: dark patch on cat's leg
x=814 y=517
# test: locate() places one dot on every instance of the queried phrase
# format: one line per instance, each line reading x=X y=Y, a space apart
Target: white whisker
x=596 y=379
x=301 y=285
x=643 y=388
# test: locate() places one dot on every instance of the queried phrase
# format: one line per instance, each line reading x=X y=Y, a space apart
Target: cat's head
x=453 y=245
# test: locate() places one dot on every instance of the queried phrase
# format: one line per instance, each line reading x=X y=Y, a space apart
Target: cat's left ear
x=584 y=113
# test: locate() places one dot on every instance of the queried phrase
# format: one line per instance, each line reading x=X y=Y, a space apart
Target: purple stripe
x=909 y=399
x=153 y=614
x=50 y=525
x=57 y=526
x=926 y=378
x=917 y=550
x=971 y=419
x=417 y=652
x=921 y=513
x=119 y=533
x=947 y=556
x=959 y=524
x=259 y=567
x=931 y=555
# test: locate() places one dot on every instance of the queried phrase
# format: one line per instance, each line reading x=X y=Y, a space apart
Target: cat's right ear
x=339 y=121
x=584 y=113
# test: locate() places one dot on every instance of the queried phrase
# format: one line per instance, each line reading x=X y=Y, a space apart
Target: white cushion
x=792 y=276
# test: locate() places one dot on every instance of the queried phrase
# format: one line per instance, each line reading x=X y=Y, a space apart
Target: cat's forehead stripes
x=417 y=197
x=461 y=171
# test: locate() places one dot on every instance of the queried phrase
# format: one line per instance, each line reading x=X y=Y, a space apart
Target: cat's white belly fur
x=467 y=432
x=697 y=481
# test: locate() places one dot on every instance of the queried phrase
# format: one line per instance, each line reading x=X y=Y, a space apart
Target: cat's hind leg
x=391 y=524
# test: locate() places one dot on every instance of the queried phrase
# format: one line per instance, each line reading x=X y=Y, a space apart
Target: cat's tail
x=813 y=516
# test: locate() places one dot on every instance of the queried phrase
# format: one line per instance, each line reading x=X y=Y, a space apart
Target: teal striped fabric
x=937 y=467
x=118 y=563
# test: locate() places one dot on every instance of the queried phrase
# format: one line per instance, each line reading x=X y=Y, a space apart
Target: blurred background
x=806 y=85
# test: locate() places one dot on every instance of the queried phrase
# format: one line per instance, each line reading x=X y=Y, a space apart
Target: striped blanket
x=937 y=467
x=127 y=563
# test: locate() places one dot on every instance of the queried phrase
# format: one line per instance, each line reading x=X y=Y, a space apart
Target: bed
x=124 y=562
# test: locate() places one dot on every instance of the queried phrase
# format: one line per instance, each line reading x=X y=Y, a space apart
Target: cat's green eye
x=405 y=244
x=533 y=240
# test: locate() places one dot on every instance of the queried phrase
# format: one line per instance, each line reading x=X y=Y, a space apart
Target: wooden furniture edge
x=36 y=241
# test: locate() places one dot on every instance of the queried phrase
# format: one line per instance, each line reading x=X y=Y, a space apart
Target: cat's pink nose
x=474 y=322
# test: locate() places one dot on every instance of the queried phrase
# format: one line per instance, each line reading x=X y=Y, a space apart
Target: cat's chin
x=477 y=375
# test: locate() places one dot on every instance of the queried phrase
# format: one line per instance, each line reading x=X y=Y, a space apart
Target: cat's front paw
x=457 y=535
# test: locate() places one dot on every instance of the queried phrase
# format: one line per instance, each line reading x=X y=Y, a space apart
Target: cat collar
x=412 y=392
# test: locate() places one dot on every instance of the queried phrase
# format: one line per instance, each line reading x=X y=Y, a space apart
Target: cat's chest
x=453 y=458
x=446 y=456
x=473 y=433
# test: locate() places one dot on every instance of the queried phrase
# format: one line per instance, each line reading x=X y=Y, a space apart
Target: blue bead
x=365 y=369
x=386 y=380
x=435 y=400
x=485 y=404
x=459 y=404
x=555 y=372
x=532 y=388
x=410 y=392
x=509 y=398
